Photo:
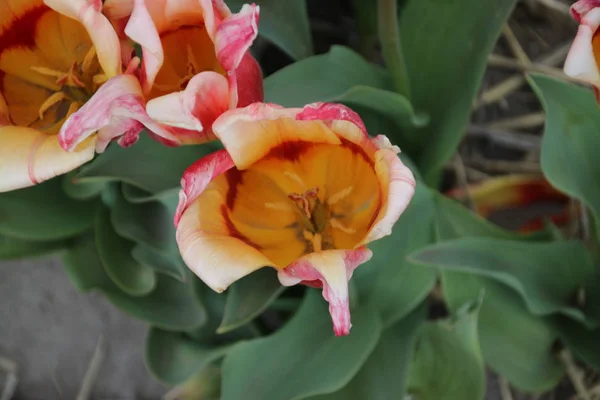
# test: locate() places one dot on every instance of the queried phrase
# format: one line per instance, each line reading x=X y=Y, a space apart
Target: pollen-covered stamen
x=342 y=194
x=89 y=58
x=315 y=239
x=336 y=224
x=50 y=101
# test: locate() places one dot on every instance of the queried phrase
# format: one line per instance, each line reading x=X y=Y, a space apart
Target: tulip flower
x=583 y=59
x=301 y=190
x=56 y=58
x=195 y=60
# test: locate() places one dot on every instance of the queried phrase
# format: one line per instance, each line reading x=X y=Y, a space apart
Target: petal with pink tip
x=234 y=36
x=114 y=110
x=248 y=140
x=582 y=7
x=249 y=82
x=334 y=269
x=397 y=189
x=28 y=157
x=197 y=177
x=581 y=60
x=104 y=37
x=195 y=108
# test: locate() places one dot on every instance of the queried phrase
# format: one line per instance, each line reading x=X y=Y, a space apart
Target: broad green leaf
x=547 y=275
x=44 y=212
x=133 y=194
x=171 y=306
x=81 y=190
x=569 y=159
x=582 y=341
x=148 y=164
x=248 y=297
x=302 y=359
x=390 y=283
x=149 y=223
x=383 y=376
x=447 y=363
x=161 y=262
x=445 y=67
x=203 y=385
x=115 y=252
x=514 y=343
x=12 y=248
x=173 y=358
x=324 y=77
x=285 y=23
x=83 y=265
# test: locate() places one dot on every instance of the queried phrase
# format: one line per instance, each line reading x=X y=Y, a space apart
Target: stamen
x=51 y=101
x=88 y=60
x=336 y=224
x=315 y=238
x=99 y=79
x=295 y=177
x=339 y=195
x=48 y=72
x=73 y=107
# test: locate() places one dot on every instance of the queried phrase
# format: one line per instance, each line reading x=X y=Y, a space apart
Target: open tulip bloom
x=583 y=60
x=301 y=190
x=68 y=81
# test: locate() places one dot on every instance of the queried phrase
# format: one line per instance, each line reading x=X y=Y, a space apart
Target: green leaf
x=44 y=212
x=303 y=358
x=203 y=385
x=81 y=190
x=133 y=194
x=248 y=297
x=447 y=362
x=582 y=341
x=324 y=77
x=14 y=248
x=390 y=283
x=115 y=252
x=149 y=223
x=383 y=376
x=547 y=275
x=446 y=66
x=171 y=306
x=173 y=358
x=148 y=164
x=569 y=159
x=285 y=23
x=161 y=262
x=83 y=265
x=514 y=343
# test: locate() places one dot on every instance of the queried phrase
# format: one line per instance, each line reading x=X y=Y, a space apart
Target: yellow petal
x=28 y=157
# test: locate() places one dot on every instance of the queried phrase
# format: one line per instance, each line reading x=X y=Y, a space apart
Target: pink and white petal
x=197 y=177
x=28 y=157
x=215 y=256
x=195 y=108
x=249 y=82
x=215 y=11
x=141 y=29
x=397 y=189
x=250 y=133
x=118 y=103
x=103 y=35
x=235 y=35
x=581 y=62
x=582 y=7
x=342 y=120
x=334 y=269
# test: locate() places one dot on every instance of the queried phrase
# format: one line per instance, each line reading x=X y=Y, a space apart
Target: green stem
x=389 y=36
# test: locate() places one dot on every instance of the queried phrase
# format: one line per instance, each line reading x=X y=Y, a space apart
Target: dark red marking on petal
x=21 y=31
x=234 y=177
x=358 y=150
x=233 y=231
x=291 y=150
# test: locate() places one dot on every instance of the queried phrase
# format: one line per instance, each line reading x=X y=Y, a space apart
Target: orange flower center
x=49 y=72
x=299 y=199
x=188 y=50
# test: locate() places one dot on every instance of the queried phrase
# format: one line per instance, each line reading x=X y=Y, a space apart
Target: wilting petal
x=212 y=250
x=582 y=7
x=105 y=39
x=581 y=61
x=28 y=157
x=196 y=108
x=334 y=269
x=397 y=186
x=248 y=141
x=197 y=177
x=118 y=104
